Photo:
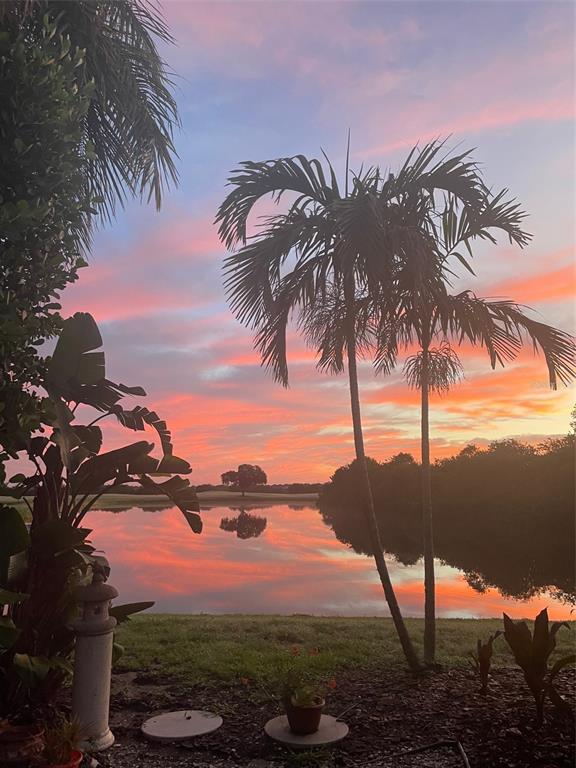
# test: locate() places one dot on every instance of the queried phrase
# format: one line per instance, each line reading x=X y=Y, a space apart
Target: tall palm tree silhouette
x=501 y=327
x=346 y=245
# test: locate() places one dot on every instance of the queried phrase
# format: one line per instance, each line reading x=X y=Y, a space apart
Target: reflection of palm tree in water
x=246 y=525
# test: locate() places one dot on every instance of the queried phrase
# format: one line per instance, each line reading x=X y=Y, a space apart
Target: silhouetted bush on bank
x=504 y=515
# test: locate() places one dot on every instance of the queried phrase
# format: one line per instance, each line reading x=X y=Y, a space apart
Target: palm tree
x=132 y=111
x=340 y=247
x=500 y=327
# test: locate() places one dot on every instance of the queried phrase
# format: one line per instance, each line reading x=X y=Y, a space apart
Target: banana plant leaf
x=9 y=633
x=57 y=536
x=172 y=486
x=77 y=369
x=194 y=521
x=122 y=613
x=103 y=395
x=113 y=465
x=14 y=538
x=178 y=490
x=31 y=669
x=171 y=464
x=12 y=598
x=74 y=358
x=138 y=417
x=90 y=437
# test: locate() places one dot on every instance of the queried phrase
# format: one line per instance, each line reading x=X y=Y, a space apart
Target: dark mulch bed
x=390 y=714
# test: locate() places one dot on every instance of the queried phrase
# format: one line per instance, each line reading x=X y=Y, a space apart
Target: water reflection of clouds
x=295 y=566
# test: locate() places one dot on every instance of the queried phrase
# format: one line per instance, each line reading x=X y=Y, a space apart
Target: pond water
x=294 y=565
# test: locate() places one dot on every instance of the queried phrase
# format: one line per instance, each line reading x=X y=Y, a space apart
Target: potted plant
x=304 y=709
x=302 y=692
x=60 y=744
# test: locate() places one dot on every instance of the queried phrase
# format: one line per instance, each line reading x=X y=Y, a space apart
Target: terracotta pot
x=304 y=720
x=20 y=743
x=74 y=762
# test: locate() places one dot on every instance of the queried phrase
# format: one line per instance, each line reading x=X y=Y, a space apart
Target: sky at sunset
x=256 y=81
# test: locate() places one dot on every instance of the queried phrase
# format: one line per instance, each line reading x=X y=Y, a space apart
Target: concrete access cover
x=329 y=732
x=180 y=726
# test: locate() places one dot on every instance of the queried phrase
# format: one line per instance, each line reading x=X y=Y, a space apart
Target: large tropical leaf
x=56 y=536
x=122 y=613
x=31 y=669
x=77 y=358
x=77 y=372
x=194 y=521
x=94 y=473
x=9 y=633
x=138 y=417
x=182 y=494
x=14 y=538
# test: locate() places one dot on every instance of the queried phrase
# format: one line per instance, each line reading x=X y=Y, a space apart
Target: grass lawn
x=204 y=648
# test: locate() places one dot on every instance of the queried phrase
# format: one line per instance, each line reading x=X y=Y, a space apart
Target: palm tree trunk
x=427 y=518
x=369 y=510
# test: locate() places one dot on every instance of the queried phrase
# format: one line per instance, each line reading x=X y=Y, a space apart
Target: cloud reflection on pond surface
x=296 y=565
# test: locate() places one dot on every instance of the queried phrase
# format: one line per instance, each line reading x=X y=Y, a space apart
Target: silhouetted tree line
x=504 y=515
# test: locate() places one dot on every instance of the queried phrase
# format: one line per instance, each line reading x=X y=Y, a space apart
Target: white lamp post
x=93 y=660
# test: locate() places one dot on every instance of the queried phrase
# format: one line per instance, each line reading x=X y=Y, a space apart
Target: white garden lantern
x=93 y=660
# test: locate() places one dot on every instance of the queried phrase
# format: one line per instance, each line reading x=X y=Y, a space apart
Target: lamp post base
x=98 y=743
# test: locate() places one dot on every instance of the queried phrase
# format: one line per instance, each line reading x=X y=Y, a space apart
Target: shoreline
x=202 y=496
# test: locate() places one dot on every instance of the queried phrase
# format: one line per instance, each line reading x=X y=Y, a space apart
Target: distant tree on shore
x=246 y=476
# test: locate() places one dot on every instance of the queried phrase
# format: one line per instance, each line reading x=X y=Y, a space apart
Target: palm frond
x=425 y=170
x=133 y=112
x=297 y=292
x=253 y=181
x=463 y=224
x=465 y=317
x=252 y=273
x=324 y=324
x=440 y=367
x=558 y=347
x=502 y=327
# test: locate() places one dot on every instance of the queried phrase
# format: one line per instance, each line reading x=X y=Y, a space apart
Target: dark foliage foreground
x=389 y=714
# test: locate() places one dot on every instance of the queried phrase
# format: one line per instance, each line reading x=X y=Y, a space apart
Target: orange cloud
x=543 y=286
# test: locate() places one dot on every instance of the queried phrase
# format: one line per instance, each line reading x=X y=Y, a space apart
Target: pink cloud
x=169 y=265
x=548 y=285
x=290 y=37
x=526 y=80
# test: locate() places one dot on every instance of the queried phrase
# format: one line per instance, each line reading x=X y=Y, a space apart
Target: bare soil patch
x=388 y=714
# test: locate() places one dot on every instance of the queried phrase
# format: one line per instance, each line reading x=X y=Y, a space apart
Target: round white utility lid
x=180 y=726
